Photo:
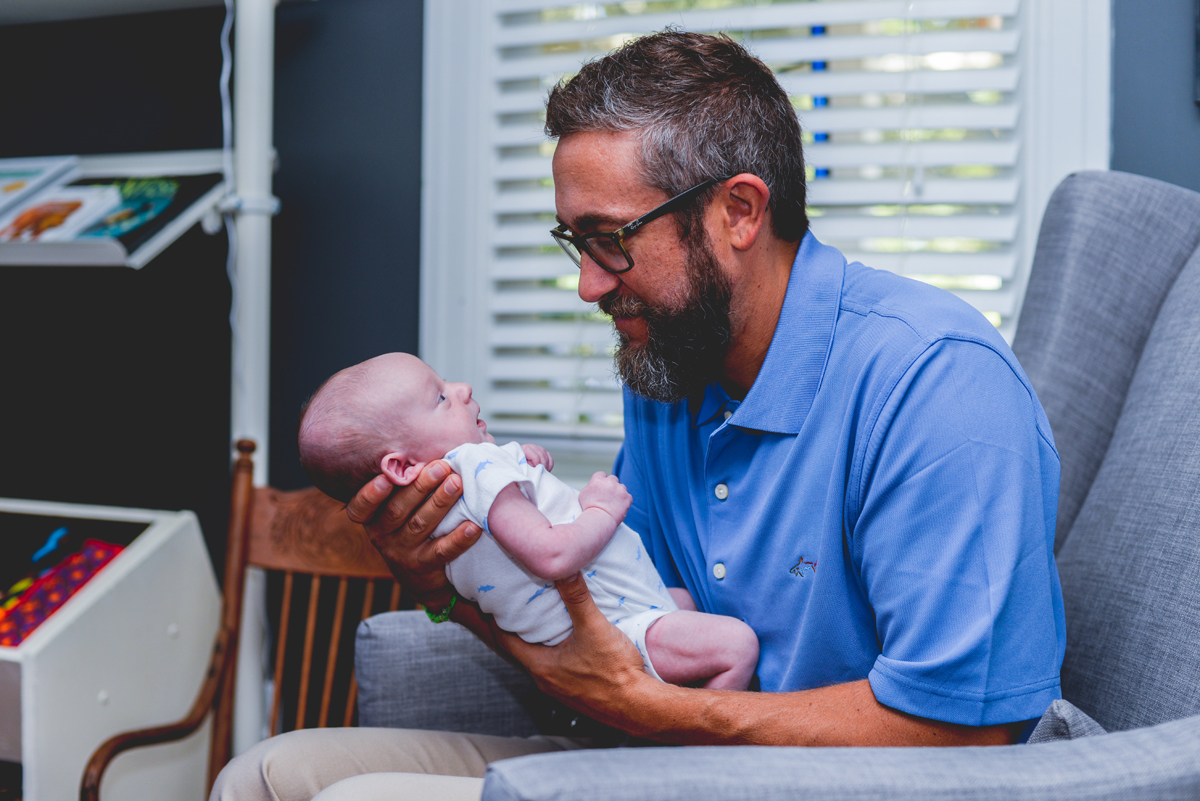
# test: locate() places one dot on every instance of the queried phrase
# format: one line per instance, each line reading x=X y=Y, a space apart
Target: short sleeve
x=486 y=469
x=953 y=540
x=639 y=519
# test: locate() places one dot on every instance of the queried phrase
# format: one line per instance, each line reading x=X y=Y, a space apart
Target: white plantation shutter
x=913 y=129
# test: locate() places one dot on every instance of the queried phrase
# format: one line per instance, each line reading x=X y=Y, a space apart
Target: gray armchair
x=1110 y=337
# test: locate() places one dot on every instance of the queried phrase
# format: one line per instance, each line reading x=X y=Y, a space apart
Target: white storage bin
x=128 y=650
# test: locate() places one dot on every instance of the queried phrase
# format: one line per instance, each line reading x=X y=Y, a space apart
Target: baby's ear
x=400 y=469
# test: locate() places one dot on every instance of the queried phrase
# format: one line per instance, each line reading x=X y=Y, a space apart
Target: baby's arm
x=552 y=552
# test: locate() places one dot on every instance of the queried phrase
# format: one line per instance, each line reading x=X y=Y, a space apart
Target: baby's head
x=391 y=415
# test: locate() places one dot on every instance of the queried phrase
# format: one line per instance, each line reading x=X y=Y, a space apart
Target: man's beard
x=685 y=348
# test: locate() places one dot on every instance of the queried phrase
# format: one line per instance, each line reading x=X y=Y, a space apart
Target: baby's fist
x=608 y=494
x=537 y=455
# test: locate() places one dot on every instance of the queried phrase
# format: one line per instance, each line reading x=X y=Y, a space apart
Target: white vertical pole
x=253 y=120
x=254 y=94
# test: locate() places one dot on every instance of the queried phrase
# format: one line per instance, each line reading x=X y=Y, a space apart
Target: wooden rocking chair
x=289 y=533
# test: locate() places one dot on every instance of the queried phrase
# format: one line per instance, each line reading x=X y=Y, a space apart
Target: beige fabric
x=298 y=765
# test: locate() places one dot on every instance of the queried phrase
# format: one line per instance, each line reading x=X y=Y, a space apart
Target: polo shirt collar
x=783 y=392
x=708 y=403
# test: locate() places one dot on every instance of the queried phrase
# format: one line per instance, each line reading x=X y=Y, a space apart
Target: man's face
x=671 y=311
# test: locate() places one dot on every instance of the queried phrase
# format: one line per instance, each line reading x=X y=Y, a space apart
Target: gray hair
x=703 y=108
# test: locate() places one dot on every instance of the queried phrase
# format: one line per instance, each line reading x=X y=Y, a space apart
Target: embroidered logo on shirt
x=803 y=568
x=481 y=465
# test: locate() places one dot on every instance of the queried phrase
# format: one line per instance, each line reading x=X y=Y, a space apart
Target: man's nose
x=594 y=281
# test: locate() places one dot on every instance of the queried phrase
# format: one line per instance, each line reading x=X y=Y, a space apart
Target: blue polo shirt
x=880 y=505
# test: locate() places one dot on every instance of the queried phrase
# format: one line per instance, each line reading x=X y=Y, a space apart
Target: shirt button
x=719 y=570
x=721 y=491
x=728 y=414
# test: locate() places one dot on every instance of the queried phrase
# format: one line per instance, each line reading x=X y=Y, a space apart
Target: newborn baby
x=393 y=415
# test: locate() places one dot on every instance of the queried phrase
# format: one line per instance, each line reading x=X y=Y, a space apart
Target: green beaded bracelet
x=444 y=615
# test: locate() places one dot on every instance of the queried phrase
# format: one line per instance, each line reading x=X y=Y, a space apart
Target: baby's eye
x=441 y=397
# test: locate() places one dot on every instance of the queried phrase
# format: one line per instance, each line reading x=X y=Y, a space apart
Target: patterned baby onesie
x=622 y=579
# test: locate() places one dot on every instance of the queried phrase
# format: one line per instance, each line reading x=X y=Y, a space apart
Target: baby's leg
x=686 y=647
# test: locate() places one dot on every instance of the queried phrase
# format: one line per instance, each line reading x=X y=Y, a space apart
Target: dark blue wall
x=109 y=370
x=1156 y=124
x=346 y=244
x=116 y=381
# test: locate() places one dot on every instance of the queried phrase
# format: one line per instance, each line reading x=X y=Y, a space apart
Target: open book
x=91 y=213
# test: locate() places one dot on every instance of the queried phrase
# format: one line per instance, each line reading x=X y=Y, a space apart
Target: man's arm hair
x=598 y=671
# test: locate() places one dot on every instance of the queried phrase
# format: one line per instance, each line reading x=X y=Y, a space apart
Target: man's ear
x=400 y=469
x=745 y=208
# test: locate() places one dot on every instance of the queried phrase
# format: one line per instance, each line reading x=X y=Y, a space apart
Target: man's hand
x=608 y=494
x=597 y=670
x=537 y=455
x=399 y=524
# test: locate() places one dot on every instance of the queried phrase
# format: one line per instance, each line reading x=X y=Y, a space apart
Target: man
x=851 y=462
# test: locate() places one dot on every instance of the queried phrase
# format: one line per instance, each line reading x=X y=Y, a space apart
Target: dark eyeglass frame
x=580 y=241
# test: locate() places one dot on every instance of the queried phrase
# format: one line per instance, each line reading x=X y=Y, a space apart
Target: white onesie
x=622 y=579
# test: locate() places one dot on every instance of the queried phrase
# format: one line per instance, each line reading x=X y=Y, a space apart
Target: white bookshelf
x=253 y=134
x=109 y=252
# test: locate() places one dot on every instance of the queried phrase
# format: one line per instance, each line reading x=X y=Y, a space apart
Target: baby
x=393 y=414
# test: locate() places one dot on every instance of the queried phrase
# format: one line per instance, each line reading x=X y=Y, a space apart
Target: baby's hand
x=607 y=494
x=537 y=455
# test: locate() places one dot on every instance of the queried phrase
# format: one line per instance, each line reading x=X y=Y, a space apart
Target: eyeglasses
x=607 y=248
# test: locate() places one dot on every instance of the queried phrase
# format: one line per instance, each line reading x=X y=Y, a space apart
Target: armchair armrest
x=1162 y=762
x=415 y=674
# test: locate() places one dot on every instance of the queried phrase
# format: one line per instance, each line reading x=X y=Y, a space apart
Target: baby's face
x=438 y=416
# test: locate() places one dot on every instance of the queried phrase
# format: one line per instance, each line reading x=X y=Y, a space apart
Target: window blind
x=910 y=112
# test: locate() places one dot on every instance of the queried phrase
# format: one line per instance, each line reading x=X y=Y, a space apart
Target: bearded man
x=851 y=462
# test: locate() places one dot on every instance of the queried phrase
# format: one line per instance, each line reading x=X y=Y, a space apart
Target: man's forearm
x=839 y=715
x=598 y=671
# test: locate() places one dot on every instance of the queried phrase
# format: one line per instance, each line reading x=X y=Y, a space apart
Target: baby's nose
x=464 y=391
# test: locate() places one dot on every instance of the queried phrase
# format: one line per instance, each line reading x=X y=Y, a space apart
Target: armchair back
x=1110 y=338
